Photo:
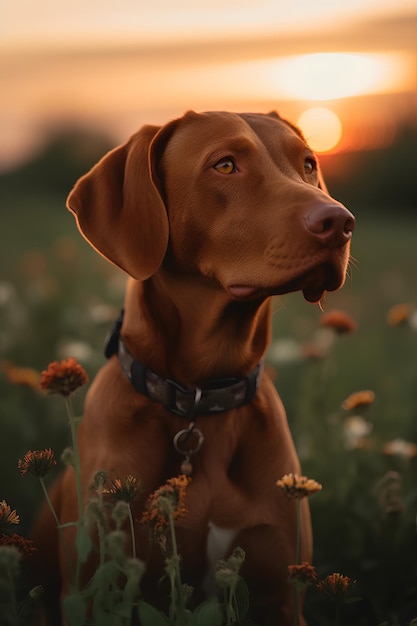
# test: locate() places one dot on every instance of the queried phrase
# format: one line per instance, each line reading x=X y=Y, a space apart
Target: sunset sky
x=115 y=64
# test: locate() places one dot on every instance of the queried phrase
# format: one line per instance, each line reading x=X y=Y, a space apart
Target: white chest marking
x=218 y=545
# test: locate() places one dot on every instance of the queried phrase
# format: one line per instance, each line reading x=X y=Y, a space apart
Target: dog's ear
x=119 y=208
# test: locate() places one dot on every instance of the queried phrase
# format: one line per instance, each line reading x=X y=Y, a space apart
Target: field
x=58 y=298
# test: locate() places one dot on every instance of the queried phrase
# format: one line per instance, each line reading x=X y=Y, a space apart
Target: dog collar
x=212 y=396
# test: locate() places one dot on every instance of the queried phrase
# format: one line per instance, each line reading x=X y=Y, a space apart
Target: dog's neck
x=192 y=332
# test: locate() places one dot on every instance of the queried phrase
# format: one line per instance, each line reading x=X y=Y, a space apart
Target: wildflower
x=358 y=400
x=7 y=516
x=339 y=321
x=311 y=352
x=399 y=314
x=16 y=375
x=336 y=585
x=400 y=447
x=38 y=463
x=63 y=378
x=165 y=502
x=298 y=487
x=67 y=456
x=116 y=545
x=120 y=513
x=389 y=491
x=25 y=546
x=355 y=429
x=303 y=574
x=125 y=490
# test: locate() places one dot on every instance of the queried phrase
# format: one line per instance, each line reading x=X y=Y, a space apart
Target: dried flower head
x=399 y=314
x=297 y=487
x=166 y=502
x=303 y=574
x=336 y=585
x=63 y=378
x=339 y=321
x=10 y=558
x=125 y=490
x=25 y=546
x=227 y=571
x=38 y=463
x=7 y=516
x=358 y=400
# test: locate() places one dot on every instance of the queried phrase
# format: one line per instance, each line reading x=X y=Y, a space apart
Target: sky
x=116 y=64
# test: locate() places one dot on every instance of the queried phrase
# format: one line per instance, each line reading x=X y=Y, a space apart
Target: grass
x=58 y=295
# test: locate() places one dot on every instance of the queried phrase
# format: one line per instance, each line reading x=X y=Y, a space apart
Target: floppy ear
x=119 y=208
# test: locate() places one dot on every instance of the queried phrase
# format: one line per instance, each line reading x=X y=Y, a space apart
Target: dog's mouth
x=313 y=284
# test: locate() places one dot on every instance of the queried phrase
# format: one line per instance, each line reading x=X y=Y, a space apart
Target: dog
x=210 y=215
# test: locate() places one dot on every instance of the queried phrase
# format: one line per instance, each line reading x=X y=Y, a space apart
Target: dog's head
x=236 y=199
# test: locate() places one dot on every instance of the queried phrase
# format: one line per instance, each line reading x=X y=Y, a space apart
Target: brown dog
x=210 y=215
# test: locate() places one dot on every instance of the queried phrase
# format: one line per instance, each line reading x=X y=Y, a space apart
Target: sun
x=322 y=128
x=333 y=75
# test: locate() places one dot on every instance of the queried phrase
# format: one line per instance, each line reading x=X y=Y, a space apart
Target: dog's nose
x=332 y=224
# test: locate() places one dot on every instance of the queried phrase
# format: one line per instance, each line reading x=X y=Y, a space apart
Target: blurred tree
x=54 y=170
x=378 y=179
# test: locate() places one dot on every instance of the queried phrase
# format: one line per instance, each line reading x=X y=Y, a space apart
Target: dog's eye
x=226 y=166
x=310 y=165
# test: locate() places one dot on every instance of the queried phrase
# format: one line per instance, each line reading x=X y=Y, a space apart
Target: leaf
x=209 y=613
x=149 y=616
x=83 y=543
x=74 y=608
x=242 y=599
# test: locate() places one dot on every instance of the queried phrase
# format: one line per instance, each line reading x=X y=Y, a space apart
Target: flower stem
x=132 y=532
x=15 y=616
x=58 y=525
x=298 y=540
x=337 y=613
x=77 y=468
x=176 y=584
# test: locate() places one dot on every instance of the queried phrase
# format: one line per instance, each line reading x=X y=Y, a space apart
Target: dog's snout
x=332 y=224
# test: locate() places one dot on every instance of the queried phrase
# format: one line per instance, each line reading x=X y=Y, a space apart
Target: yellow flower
x=297 y=487
x=7 y=516
x=38 y=463
x=336 y=585
x=339 y=321
x=399 y=314
x=63 y=378
x=358 y=400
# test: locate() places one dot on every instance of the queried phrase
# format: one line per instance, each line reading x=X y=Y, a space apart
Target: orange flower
x=25 y=546
x=17 y=375
x=336 y=585
x=166 y=502
x=7 y=516
x=339 y=321
x=38 y=463
x=298 y=487
x=303 y=573
x=358 y=400
x=125 y=490
x=63 y=378
x=399 y=314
